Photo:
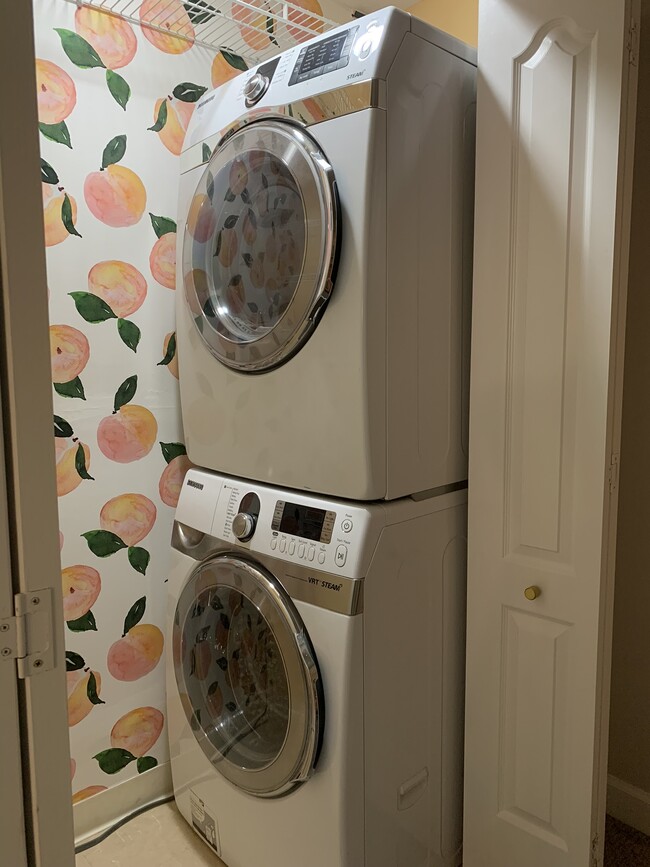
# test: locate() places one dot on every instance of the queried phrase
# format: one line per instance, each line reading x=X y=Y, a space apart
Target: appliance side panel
x=413 y=692
x=430 y=94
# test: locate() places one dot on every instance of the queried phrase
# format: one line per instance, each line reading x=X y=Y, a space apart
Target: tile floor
x=158 y=838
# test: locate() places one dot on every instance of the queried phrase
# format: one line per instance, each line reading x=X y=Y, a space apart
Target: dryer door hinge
x=27 y=637
x=633 y=43
x=612 y=473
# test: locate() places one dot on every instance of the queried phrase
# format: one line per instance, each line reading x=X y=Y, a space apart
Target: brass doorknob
x=532 y=593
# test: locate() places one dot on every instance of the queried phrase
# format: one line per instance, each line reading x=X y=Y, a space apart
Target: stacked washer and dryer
x=317 y=586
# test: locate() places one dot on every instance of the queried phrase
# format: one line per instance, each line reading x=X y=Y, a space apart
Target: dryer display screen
x=304 y=521
x=323 y=56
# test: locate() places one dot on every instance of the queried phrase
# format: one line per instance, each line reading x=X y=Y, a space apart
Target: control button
x=341 y=556
x=311 y=553
x=321 y=557
x=292 y=547
x=346 y=525
x=243 y=526
x=255 y=88
x=283 y=545
x=365 y=47
x=274 y=543
x=301 y=550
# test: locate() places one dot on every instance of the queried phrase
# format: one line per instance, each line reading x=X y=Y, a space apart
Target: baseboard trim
x=628 y=804
x=96 y=814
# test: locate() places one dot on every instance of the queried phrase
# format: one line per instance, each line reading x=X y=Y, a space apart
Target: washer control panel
x=317 y=533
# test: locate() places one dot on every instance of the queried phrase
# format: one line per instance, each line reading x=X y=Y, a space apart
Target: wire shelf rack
x=254 y=29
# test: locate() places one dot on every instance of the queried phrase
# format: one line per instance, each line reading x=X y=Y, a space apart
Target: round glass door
x=260 y=245
x=247 y=676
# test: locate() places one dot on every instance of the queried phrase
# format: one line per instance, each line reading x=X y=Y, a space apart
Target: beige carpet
x=624 y=846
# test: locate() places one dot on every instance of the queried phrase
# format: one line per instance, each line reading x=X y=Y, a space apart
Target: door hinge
x=633 y=43
x=27 y=637
x=612 y=473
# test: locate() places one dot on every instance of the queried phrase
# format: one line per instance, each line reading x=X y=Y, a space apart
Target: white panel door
x=555 y=96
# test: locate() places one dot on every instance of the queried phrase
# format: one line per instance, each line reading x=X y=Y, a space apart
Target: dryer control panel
x=337 y=537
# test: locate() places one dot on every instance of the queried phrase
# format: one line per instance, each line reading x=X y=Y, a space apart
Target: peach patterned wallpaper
x=114 y=103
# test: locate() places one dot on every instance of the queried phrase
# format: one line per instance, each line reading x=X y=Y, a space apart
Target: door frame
x=29 y=530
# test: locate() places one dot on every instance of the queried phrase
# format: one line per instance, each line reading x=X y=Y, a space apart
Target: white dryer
x=315 y=675
x=325 y=264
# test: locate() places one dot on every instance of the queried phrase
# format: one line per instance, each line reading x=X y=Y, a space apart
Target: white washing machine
x=315 y=675
x=325 y=264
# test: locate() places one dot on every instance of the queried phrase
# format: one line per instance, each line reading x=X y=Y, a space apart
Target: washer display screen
x=304 y=521
x=324 y=52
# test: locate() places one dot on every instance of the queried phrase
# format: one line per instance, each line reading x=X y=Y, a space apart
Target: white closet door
x=555 y=97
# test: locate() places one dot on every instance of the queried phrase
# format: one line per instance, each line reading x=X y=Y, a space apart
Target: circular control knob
x=255 y=88
x=243 y=526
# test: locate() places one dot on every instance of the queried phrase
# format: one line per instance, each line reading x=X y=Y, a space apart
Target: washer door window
x=260 y=245
x=247 y=676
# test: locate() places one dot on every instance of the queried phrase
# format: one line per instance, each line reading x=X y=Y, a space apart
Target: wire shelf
x=254 y=29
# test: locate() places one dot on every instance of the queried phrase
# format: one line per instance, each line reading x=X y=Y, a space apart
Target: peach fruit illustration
x=201 y=219
x=115 y=195
x=214 y=701
x=238 y=177
x=69 y=352
x=171 y=480
x=129 y=516
x=227 y=244
x=249 y=228
x=137 y=653
x=81 y=586
x=251 y=23
x=67 y=477
x=162 y=260
x=111 y=37
x=169 y=16
x=179 y=113
x=119 y=284
x=297 y=16
x=128 y=434
x=222 y=71
x=172 y=367
x=56 y=92
x=201 y=659
x=60 y=541
x=138 y=730
x=79 y=705
x=73 y=768
x=88 y=792
x=55 y=230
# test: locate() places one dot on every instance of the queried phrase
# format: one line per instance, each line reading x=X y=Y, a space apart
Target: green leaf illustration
x=57 y=132
x=120 y=90
x=74 y=388
x=125 y=392
x=186 y=91
x=231 y=221
x=234 y=60
x=80 y=464
x=80 y=52
x=114 y=760
x=62 y=428
x=129 y=332
x=146 y=763
x=114 y=151
x=270 y=29
x=103 y=543
x=74 y=662
x=48 y=175
x=91 y=691
x=207 y=153
x=230 y=196
x=161 y=120
x=171 y=350
x=172 y=450
x=162 y=225
x=91 y=307
x=196 y=14
x=135 y=615
x=139 y=559
x=66 y=216
x=83 y=624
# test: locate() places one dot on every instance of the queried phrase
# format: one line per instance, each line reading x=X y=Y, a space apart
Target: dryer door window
x=247 y=676
x=260 y=245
